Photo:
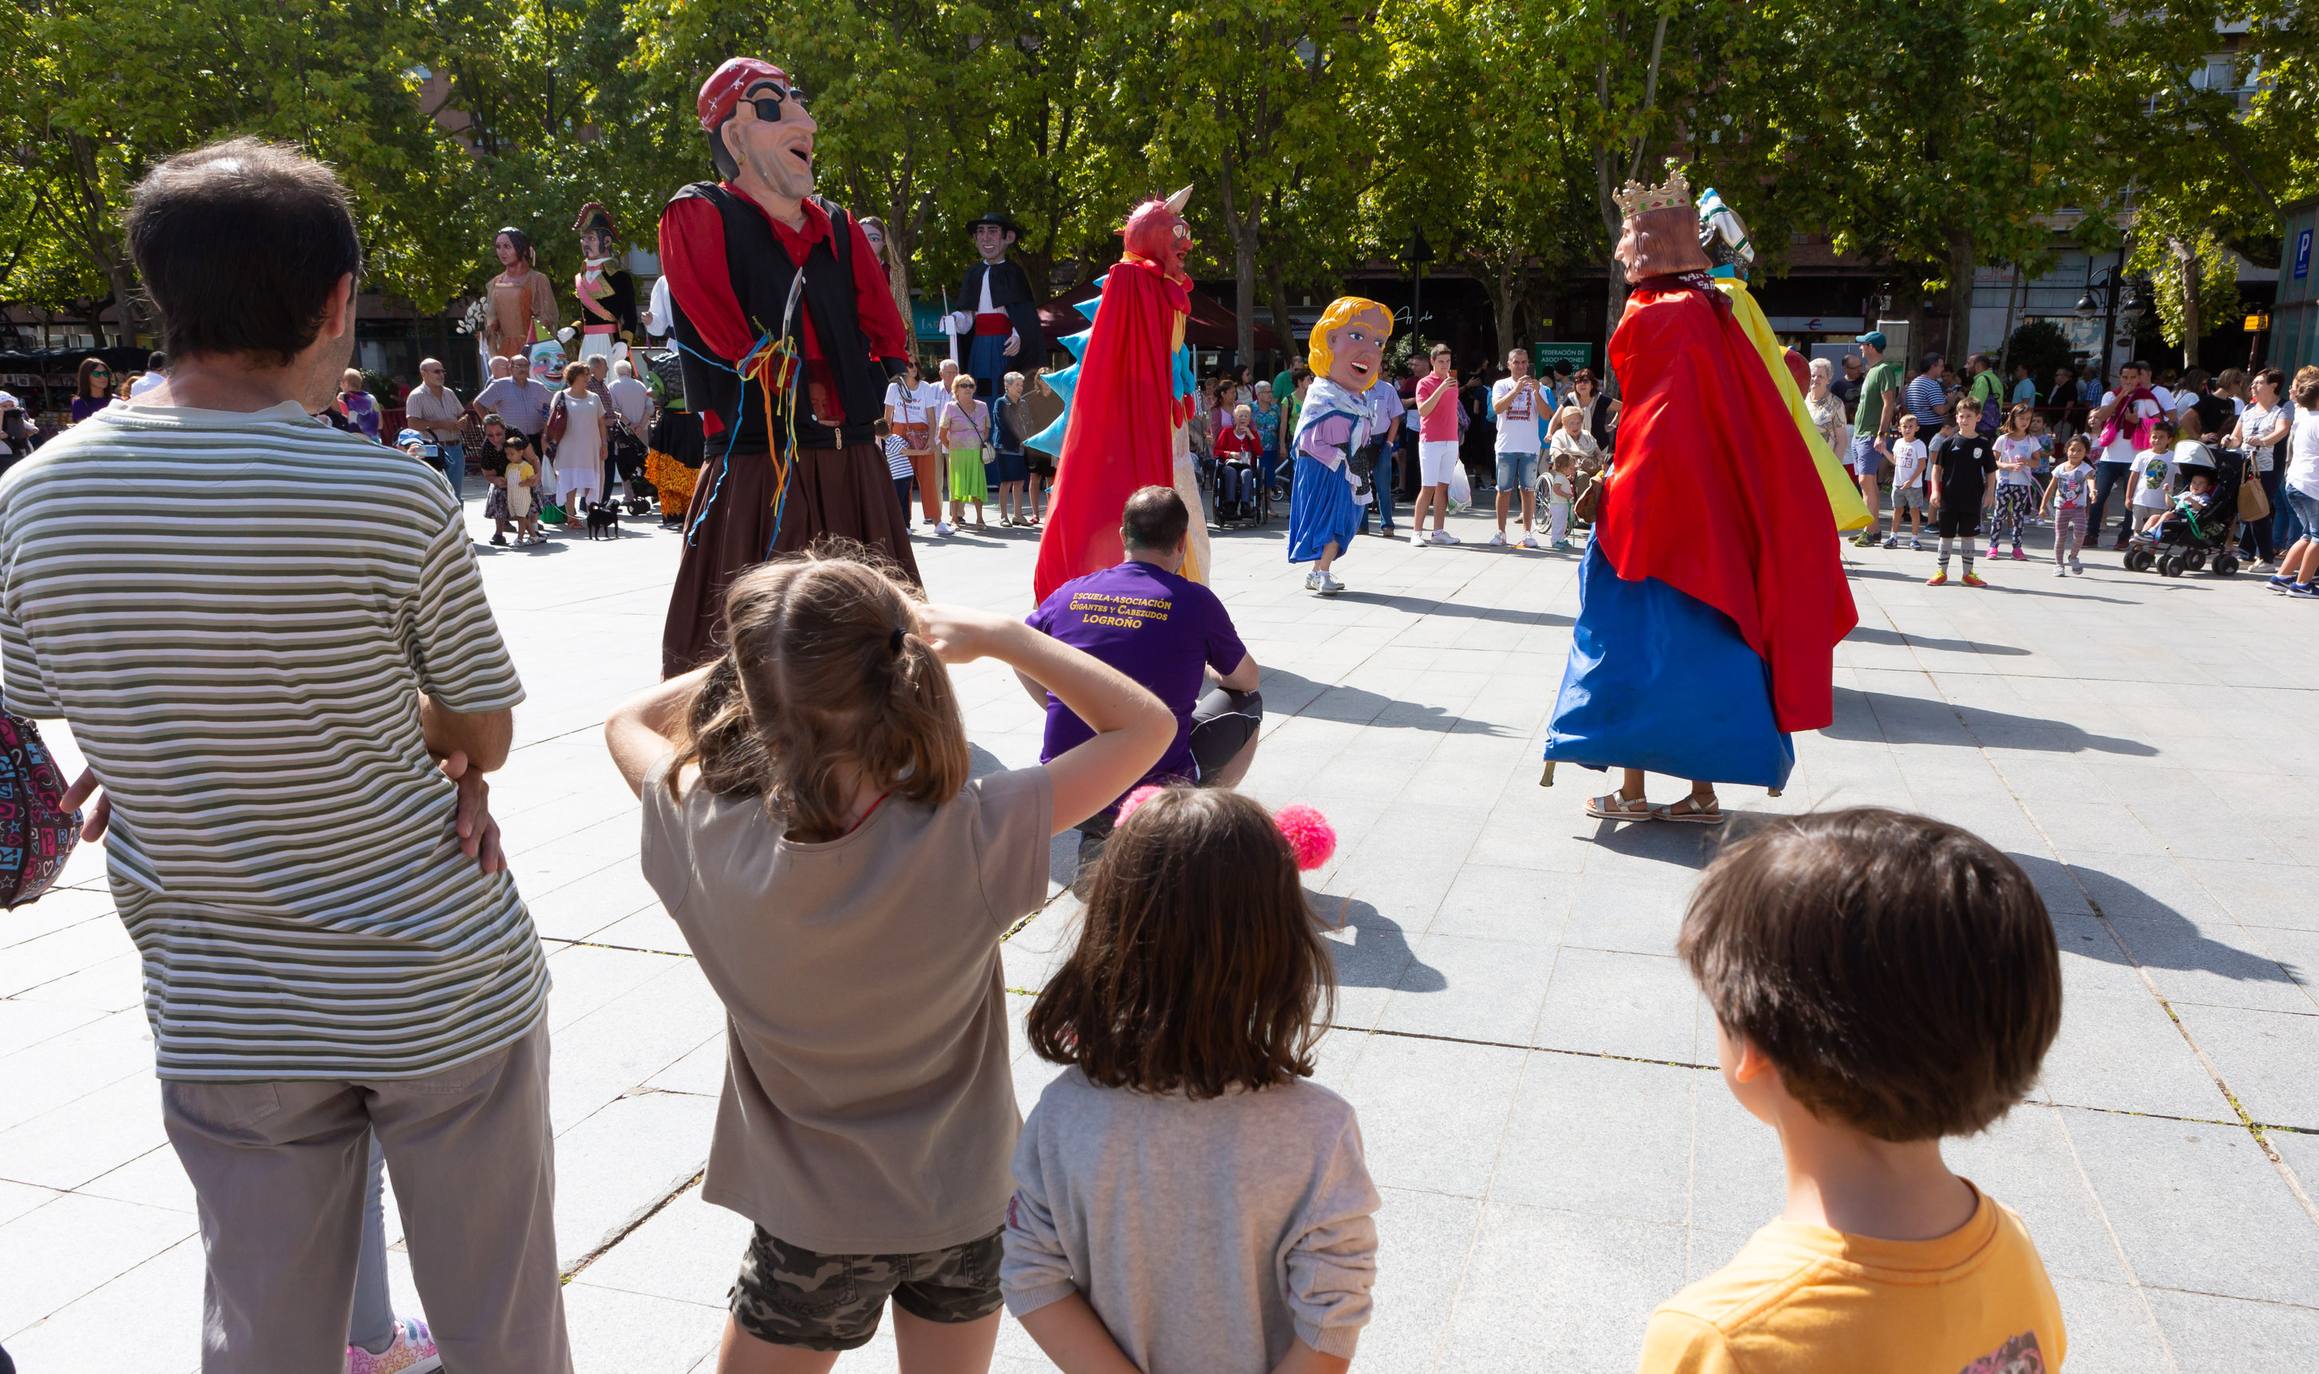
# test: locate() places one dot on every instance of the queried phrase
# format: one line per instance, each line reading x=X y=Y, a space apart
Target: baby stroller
x=2189 y=541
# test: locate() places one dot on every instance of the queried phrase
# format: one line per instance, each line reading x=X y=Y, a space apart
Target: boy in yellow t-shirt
x=1880 y=981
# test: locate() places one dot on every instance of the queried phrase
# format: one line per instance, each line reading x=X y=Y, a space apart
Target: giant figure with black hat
x=789 y=334
x=997 y=319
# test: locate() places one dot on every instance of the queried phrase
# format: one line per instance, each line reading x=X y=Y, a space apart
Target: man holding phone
x=1515 y=400
x=1436 y=447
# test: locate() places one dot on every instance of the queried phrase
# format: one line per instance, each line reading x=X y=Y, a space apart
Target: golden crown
x=1637 y=199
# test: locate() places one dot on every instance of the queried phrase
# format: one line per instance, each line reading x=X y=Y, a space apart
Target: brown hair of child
x=1900 y=972
x=1199 y=966
x=825 y=668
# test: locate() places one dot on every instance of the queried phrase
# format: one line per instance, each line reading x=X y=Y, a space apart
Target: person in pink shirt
x=1436 y=447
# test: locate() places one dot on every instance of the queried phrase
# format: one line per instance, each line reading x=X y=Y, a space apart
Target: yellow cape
x=1843 y=496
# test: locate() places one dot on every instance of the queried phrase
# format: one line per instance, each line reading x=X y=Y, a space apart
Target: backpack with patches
x=36 y=832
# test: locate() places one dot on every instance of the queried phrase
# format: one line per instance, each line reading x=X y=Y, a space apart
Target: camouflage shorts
x=788 y=1295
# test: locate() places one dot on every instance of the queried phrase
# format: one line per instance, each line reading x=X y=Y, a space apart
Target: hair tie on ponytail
x=894 y=645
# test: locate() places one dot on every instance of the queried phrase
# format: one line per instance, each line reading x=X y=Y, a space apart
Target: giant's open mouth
x=804 y=156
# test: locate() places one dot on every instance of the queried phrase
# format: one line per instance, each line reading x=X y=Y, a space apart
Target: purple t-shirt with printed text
x=1159 y=629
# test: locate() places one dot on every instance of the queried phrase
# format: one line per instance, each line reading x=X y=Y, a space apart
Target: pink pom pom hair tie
x=1310 y=836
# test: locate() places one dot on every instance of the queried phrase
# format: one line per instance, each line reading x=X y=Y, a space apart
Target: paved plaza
x=1533 y=1069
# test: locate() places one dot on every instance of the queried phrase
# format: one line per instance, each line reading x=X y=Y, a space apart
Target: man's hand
x=961 y=634
x=478 y=833
x=100 y=813
x=1014 y=344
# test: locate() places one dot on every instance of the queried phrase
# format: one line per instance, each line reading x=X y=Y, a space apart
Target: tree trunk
x=1962 y=263
x=2186 y=261
x=1282 y=323
x=1243 y=229
x=1502 y=301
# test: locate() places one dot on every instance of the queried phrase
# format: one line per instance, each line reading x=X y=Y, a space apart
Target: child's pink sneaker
x=413 y=1352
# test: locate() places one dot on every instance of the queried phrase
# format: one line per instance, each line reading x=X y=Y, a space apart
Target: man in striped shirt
x=291 y=733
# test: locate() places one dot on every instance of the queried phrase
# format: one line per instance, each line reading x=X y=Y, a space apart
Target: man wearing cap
x=1874 y=423
x=997 y=318
x=786 y=327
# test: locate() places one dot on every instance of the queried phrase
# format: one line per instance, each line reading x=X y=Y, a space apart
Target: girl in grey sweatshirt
x=1185 y=1198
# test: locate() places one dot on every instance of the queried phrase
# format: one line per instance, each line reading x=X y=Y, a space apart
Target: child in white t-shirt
x=1907 y=495
x=2016 y=495
x=1561 y=489
x=2065 y=499
x=2148 y=496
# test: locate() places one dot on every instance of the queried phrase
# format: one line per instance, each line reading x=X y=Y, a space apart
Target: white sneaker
x=1330 y=586
x=1312 y=581
x=1529 y=541
x=1498 y=540
x=944 y=530
x=1445 y=537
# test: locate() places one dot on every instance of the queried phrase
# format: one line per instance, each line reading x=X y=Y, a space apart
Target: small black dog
x=604 y=520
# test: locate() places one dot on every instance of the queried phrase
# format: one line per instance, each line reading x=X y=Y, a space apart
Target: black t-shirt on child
x=1961 y=467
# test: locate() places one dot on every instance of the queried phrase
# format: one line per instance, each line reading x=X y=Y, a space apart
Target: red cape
x=1714 y=493
x=1121 y=431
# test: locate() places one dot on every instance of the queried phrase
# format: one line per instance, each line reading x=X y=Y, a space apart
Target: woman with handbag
x=578 y=437
x=965 y=431
x=2261 y=426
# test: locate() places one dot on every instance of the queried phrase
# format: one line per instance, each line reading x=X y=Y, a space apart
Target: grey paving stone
x=152 y=1308
x=2120 y=1051
x=606 y=1053
x=689 y=1251
x=1468 y=989
x=2300 y=1150
x=1637 y=1005
x=2110 y=1326
x=1424 y=1240
x=2198 y=1207
x=1548 y=1289
x=619 y=1164
x=2027 y=1162
x=1738 y=1180
x=618 y=1332
x=54 y=1255
x=1433 y=1113
x=2264 y=1057
x=2217 y=1335
x=1516 y=905
x=86 y=1137
x=1601 y=1136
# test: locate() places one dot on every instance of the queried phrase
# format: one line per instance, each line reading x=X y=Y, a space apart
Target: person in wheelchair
x=1238 y=451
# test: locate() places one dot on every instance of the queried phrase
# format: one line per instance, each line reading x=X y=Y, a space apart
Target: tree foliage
x=1927 y=136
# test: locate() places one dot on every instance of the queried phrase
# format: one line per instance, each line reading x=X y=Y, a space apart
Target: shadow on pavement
x=1378 y=955
x=1288 y=694
x=1455 y=610
x=2015 y=588
x=2156 y=935
x=1869 y=634
x=1891 y=719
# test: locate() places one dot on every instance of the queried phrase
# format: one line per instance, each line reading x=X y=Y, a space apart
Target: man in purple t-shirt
x=1168 y=633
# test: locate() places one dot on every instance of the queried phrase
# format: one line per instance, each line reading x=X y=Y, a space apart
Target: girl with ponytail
x=810 y=825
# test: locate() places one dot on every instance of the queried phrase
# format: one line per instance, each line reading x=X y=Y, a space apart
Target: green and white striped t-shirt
x=237 y=613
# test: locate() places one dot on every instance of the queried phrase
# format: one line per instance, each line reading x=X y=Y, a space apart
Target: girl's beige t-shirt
x=868 y=1106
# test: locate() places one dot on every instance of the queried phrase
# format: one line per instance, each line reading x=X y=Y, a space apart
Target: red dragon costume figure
x=1125 y=404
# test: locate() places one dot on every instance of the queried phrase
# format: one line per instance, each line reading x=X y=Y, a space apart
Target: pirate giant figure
x=789 y=334
x=997 y=321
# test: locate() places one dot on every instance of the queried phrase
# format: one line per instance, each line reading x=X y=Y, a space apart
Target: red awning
x=1211 y=325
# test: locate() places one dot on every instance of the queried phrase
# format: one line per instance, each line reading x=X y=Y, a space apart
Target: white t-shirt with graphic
x=1518 y=422
x=1907 y=464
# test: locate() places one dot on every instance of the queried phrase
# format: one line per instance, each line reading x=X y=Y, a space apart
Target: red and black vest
x=761 y=273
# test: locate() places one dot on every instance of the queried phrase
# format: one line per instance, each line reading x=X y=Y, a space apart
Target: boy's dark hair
x=240 y=245
x=1199 y=966
x=1900 y=972
x=2158 y=427
x=1155 y=520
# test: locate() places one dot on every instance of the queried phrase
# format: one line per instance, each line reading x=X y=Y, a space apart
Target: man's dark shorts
x=788 y=1295
x=1223 y=721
